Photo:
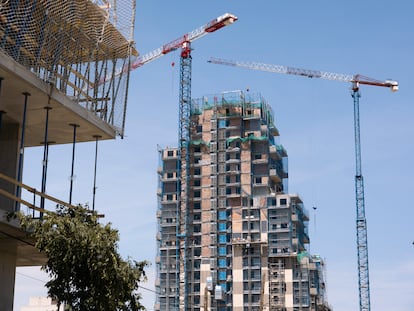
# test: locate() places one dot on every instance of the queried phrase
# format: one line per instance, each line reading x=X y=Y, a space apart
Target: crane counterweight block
x=220 y=22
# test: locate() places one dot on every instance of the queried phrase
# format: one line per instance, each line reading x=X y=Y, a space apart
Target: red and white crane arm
x=355 y=79
x=217 y=23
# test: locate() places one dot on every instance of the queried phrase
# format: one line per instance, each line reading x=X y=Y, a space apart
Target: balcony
x=169 y=198
x=234 y=160
x=260 y=182
x=263 y=160
x=169 y=177
x=169 y=155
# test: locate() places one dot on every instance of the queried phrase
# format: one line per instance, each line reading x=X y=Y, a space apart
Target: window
x=170 y=153
x=222 y=226
x=197 y=183
x=222 y=251
x=197 y=205
x=197 y=194
x=271 y=201
x=283 y=201
x=222 y=215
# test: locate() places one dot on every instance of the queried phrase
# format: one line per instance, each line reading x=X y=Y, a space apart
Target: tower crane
x=183 y=43
x=361 y=225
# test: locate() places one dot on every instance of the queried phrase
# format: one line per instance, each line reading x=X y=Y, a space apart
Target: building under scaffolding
x=64 y=73
x=240 y=243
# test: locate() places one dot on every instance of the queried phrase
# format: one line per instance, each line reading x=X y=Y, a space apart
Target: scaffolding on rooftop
x=246 y=104
x=81 y=47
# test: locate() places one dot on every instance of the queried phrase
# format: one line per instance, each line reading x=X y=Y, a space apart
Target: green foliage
x=86 y=270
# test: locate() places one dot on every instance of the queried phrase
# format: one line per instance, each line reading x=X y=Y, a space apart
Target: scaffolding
x=242 y=230
x=80 y=47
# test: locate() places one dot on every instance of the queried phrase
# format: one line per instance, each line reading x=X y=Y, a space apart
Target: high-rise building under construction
x=230 y=236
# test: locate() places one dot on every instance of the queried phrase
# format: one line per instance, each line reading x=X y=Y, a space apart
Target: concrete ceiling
x=18 y=80
x=16 y=242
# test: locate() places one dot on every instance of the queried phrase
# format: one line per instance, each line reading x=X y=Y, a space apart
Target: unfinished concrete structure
x=63 y=79
x=240 y=241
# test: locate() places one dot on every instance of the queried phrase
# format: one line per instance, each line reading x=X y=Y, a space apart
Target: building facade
x=239 y=240
x=42 y=304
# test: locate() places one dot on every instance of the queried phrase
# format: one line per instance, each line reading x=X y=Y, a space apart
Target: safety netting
x=78 y=46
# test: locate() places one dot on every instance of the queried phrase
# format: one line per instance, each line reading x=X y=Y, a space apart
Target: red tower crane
x=361 y=225
x=183 y=42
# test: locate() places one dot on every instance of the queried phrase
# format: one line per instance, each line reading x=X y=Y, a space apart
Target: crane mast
x=184 y=170
x=361 y=223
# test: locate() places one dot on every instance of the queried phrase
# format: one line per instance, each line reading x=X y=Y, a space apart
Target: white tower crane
x=361 y=225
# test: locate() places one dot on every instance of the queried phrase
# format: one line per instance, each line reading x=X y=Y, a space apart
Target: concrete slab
x=65 y=111
x=16 y=242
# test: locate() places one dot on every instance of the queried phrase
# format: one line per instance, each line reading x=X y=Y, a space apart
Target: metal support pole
x=1 y=111
x=21 y=151
x=1 y=118
x=94 y=173
x=73 y=161
x=45 y=159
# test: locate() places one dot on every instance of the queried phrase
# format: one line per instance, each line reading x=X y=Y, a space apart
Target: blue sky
x=314 y=117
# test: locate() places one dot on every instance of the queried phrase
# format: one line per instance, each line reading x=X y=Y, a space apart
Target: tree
x=86 y=270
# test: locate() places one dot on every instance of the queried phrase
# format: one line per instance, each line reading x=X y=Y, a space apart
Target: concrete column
x=238 y=278
x=9 y=155
x=7 y=277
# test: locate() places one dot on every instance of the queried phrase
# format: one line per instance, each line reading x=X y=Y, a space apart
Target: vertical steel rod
x=21 y=151
x=1 y=118
x=1 y=111
x=94 y=173
x=73 y=161
x=45 y=159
